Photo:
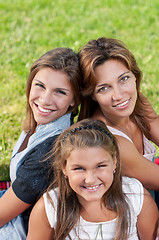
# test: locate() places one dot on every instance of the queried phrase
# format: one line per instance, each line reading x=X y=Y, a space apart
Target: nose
x=90 y=177
x=117 y=93
x=46 y=98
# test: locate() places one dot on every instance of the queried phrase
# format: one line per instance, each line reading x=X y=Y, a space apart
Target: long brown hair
x=61 y=59
x=95 y=53
x=84 y=134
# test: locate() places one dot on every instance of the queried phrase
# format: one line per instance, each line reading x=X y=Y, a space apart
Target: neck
x=102 y=214
x=123 y=124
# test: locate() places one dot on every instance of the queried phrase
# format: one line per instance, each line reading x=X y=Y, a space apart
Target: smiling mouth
x=44 y=110
x=122 y=104
x=92 y=187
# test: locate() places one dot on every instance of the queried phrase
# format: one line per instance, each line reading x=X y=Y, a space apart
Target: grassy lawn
x=29 y=28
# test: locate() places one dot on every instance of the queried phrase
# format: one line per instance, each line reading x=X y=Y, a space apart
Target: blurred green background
x=29 y=28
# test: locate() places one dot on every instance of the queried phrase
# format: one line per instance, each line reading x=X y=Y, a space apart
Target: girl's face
x=115 y=90
x=90 y=173
x=50 y=95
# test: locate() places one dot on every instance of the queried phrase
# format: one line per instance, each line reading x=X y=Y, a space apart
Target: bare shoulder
x=39 y=210
x=39 y=227
x=148 y=218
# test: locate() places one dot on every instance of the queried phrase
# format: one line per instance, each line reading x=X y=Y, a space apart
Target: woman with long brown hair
x=52 y=95
x=111 y=92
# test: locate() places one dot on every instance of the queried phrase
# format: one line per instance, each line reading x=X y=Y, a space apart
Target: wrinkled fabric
x=15 y=229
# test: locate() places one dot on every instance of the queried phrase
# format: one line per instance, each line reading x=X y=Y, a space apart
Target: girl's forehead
x=89 y=153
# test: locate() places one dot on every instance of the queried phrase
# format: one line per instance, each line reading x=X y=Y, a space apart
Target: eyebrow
x=37 y=80
x=67 y=90
x=58 y=88
x=105 y=84
x=123 y=74
x=102 y=162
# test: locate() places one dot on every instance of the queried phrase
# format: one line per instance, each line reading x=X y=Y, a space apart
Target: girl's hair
x=86 y=134
x=60 y=59
x=95 y=53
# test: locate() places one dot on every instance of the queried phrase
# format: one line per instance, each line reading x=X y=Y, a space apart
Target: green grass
x=29 y=28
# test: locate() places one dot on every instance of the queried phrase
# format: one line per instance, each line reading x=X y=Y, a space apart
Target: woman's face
x=50 y=95
x=115 y=90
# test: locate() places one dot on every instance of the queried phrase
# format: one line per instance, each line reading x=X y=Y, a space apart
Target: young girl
x=111 y=92
x=52 y=94
x=88 y=198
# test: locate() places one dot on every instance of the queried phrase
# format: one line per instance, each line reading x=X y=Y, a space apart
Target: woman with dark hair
x=52 y=95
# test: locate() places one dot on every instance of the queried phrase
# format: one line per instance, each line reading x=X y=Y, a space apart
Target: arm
x=135 y=165
x=154 y=131
x=39 y=227
x=148 y=218
x=10 y=206
x=154 y=122
x=32 y=179
x=35 y=174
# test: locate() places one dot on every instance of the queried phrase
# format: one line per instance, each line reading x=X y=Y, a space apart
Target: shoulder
x=148 y=218
x=47 y=142
x=40 y=150
x=39 y=227
x=35 y=174
x=19 y=142
x=131 y=184
x=116 y=132
x=53 y=194
x=51 y=206
x=134 y=192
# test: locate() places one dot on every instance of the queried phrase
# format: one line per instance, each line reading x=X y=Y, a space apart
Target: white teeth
x=44 y=110
x=122 y=104
x=91 y=188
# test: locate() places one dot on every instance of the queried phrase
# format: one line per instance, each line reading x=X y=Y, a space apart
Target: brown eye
x=102 y=89
x=125 y=78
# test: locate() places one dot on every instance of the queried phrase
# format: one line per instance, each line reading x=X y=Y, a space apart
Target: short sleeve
x=135 y=193
x=35 y=174
x=51 y=210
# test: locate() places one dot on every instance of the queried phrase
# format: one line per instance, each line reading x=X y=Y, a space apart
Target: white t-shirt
x=101 y=230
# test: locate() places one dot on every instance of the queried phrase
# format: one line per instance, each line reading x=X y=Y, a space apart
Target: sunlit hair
x=86 y=134
x=95 y=53
x=60 y=59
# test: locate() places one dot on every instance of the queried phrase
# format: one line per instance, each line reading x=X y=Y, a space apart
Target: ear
x=64 y=171
x=72 y=103
x=94 y=98
x=115 y=163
